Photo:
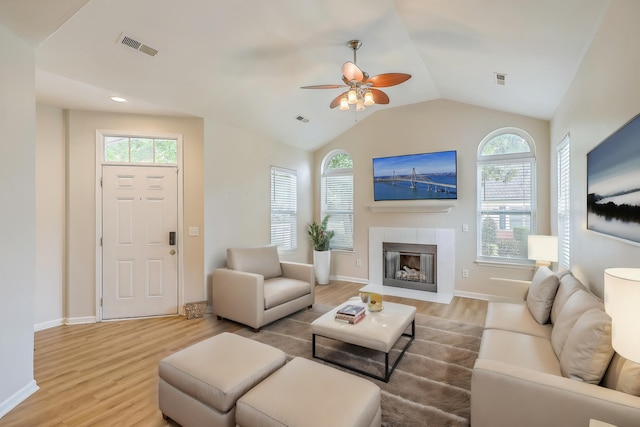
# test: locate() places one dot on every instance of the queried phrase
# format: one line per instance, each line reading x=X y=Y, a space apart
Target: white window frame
x=342 y=240
x=290 y=199
x=564 y=202
x=129 y=137
x=529 y=157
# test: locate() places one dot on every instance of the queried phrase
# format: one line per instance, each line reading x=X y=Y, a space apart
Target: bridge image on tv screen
x=416 y=177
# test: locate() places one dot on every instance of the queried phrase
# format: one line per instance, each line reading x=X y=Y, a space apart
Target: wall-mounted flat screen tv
x=416 y=177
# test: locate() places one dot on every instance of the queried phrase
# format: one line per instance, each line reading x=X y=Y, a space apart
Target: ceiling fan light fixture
x=352 y=96
x=368 y=99
x=362 y=89
x=344 y=103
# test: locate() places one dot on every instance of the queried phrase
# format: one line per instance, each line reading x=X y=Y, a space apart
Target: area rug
x=431 y=384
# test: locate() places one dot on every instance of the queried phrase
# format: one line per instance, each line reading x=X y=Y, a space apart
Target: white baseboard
x=486 y=297
x=350 y=279
x=438 y=297
x=46 y=325
x=18 y=397
x=80 y=320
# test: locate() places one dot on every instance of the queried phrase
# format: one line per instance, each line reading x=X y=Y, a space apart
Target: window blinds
x=284 y=208
x=506 y=208
x=564 y=203
x=337 y=202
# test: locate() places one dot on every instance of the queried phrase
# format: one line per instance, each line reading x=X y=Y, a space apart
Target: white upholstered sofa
x=549 y=361
x=256 y=288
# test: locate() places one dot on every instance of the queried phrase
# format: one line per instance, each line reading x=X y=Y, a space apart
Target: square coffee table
x=378 y=331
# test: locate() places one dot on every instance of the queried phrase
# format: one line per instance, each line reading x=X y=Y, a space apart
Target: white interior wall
x=50 y=202
x=237 y=176
x=434 y=126
x=18 y=220
x=81 y=244
x=604 y=95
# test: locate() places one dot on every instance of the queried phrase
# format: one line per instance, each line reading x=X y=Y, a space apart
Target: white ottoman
x=308 y=394
x=199 y=386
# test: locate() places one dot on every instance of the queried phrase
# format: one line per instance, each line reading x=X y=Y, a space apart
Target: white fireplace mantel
x=423 y=206
x=444 y=238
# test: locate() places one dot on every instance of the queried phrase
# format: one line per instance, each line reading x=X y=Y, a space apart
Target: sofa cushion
x=281 y=289
x=522 y=350
x=514 y=317
x=542 y=292
x=567 y=286
x=587 y=350
x=576 y=305
x=261 y=260
x=622 y=375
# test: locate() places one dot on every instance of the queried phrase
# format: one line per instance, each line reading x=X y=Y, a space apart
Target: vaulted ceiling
x=242 y=62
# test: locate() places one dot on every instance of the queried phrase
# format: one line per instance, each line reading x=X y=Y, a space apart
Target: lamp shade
x=622 y=303
x=543 y=249
x=352 y=97
x=344 y=104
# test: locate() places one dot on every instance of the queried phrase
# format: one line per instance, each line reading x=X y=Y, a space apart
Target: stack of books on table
x=351 y=313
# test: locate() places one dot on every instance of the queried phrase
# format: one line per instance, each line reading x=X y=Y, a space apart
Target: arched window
x=506 y=195
x=337 y=197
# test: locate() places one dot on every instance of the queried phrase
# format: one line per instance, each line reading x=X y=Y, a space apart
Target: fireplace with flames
x=410 y=266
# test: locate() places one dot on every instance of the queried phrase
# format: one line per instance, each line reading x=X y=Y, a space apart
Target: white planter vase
x=322 y=266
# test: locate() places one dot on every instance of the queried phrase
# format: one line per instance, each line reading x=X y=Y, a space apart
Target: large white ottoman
x=305 y=393
x=199 y=386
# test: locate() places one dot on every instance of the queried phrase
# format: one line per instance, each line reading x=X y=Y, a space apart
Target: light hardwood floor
x=105 y=374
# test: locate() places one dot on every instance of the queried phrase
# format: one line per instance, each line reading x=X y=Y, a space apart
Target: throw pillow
x=567 y=287
x=623 y=375
x=588 y=351
x=578 y=303
x=542 y=291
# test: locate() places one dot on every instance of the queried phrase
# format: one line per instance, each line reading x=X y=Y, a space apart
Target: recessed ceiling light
x=118 y=99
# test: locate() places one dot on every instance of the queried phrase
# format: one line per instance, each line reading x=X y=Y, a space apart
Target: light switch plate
x=194 y=231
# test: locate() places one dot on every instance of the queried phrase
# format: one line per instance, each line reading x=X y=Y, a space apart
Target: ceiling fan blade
x=379 y=96
x=351 y=72
x=388 y=79
x=323 y=87
x=336 y=100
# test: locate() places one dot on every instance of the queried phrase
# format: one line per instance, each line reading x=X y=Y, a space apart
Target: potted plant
x=321 y=238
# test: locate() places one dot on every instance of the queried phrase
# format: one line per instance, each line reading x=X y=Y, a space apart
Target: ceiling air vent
x=135 y=44
x=501 y=79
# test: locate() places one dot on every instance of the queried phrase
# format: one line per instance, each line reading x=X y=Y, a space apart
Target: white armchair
x=256 y=288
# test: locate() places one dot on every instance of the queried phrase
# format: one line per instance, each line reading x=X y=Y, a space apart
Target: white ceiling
x=242 y=62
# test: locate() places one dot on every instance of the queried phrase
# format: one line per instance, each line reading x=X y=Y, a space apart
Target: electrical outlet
x=465 y=228
x=465 y=273
x=358 y=262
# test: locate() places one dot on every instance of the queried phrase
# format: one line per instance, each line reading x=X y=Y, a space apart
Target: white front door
x=140 y=264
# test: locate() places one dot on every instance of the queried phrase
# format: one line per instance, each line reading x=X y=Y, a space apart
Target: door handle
x=172 y=252
x=172 y=238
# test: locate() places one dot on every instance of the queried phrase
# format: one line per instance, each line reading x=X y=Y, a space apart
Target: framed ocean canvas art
x=613 y=184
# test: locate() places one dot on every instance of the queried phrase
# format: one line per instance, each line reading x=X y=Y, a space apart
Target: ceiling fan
x=362 y=89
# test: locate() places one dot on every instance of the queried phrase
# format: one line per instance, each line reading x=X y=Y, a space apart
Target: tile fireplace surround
x=444 y=238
